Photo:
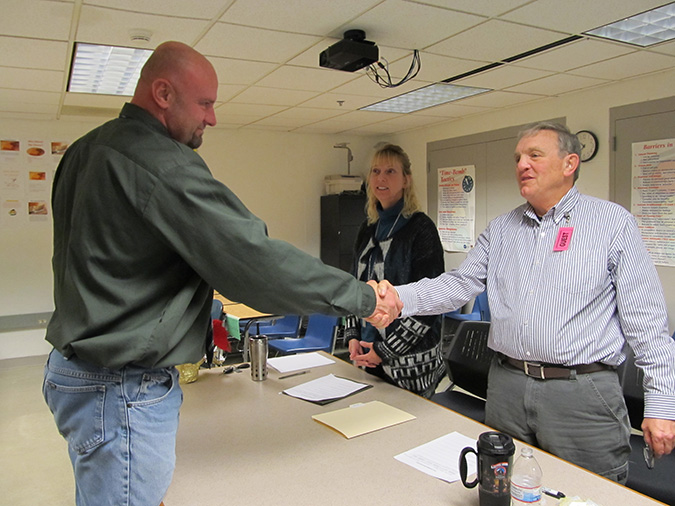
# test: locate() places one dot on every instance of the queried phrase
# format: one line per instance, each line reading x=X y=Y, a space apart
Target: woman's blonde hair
x=389 y=152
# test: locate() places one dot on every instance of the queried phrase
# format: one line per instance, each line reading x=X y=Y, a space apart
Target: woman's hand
x=363 y=354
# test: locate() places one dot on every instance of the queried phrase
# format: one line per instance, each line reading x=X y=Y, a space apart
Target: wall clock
x=589 y=144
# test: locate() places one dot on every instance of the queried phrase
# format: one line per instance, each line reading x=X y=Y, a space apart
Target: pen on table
x=294 y=374
x=552 y=493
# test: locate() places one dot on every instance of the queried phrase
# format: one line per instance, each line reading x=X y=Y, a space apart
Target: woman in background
x=399 y=243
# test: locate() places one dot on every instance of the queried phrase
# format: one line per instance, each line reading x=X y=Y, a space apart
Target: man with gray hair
x=569 y=284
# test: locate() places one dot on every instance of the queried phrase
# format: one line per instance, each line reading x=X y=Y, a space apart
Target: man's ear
x=162 y=93
x=571 y=164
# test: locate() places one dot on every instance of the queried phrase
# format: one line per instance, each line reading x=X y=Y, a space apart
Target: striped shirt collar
x=559 y=211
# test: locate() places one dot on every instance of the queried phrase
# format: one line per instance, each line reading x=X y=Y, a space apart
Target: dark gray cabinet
x=341 y=217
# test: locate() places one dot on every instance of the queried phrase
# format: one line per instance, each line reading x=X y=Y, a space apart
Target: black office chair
x=467 y=360
x=659 y=482
x=452 y=319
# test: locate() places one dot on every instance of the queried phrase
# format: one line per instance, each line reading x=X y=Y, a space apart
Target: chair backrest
x=216 y=310
x=481 y=306
x=468 y=357
x=321 y=331
x=320 y=335
x=286 y=326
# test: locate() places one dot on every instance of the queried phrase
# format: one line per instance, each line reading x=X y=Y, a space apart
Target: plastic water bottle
x=526 y=480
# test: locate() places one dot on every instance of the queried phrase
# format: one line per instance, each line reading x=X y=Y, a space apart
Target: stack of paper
x=327 y=389
x=290 y=363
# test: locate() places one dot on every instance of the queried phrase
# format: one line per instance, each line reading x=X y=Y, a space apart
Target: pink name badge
x=564 y=238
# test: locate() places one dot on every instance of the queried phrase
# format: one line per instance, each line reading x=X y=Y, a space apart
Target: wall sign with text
x=457 y=207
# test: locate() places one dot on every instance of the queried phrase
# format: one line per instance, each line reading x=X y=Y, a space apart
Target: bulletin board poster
x=653 y=197
x=457 y=207
x=27 y=169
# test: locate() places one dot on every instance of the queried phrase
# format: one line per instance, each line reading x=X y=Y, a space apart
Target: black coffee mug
x=495 y=458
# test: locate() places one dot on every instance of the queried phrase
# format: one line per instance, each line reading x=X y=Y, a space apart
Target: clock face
x=467 y=184
x=589 y=144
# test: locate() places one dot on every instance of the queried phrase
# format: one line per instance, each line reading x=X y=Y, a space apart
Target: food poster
x=653 y=197
x=457 y=207
x=27 y=169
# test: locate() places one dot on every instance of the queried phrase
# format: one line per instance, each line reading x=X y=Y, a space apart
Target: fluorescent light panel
x=646 y=29
x=107 y=70
x=429 y=96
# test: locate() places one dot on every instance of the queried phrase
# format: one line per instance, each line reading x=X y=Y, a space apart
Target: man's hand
x=660 y=435
x=388 y=304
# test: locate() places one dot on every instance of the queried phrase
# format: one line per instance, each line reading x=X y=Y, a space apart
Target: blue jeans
x=120 y=427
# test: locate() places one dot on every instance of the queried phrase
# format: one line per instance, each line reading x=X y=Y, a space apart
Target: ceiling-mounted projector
x=350 y=54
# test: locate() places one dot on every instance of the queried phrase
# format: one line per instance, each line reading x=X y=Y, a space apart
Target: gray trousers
x=583 y=420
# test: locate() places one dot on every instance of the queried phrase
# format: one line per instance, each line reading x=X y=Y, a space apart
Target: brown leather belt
x=553 y=371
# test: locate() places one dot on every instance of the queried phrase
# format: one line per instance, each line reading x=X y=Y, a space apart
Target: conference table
x=242 y=442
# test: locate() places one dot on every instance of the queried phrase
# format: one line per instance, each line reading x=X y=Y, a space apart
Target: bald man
x=142 y=235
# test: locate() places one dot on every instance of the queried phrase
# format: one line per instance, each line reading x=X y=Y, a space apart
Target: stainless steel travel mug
x=257 y=347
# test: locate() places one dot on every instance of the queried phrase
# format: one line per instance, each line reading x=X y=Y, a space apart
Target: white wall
x=280 y=178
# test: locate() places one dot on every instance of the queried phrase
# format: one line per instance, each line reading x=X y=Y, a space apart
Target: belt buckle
x=531 y=370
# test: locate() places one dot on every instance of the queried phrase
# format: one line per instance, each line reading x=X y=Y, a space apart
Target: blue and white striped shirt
x=576 y=306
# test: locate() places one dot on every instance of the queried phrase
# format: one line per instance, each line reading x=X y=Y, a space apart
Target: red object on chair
x=220 y=336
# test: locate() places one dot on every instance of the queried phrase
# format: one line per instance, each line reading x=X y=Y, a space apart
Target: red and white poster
x=457 y=207
x=653 y=197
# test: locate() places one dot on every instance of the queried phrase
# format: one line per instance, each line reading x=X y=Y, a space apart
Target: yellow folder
x=363 y=418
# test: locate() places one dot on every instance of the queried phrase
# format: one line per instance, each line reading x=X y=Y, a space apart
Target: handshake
x=388 y=306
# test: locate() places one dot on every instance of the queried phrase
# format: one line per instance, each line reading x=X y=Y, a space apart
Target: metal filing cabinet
x=341 y=217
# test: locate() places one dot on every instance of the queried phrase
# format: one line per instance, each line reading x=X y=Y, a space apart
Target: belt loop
x=573 y=374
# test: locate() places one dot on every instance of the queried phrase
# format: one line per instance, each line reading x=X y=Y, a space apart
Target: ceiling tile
x=557 y=85
x=575 y=54
x=305 y=16
x=332 y=101
x=94 y=100
x=39 y=19
x=29 y=79
x=578 y=16
x=451 y=110
x=273 y=96
x=45 y=54
x=482 y=7
x=630 y=65
x=253 y=43
x=232 y=71
x=494 y=41
x=109 y=26
x=208 y=9
x=303 y=78
x=497 y=99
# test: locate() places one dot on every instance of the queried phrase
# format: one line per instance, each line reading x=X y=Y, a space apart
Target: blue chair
x=216 y=310
x=287 y=326
x=479 y=312
x=319 y=336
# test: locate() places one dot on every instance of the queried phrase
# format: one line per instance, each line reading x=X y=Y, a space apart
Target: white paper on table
x=300 y=361
x=440 y=458
x=325 y=388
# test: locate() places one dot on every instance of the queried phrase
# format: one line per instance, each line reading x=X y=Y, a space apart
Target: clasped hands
x=387 y=309
x=388 y=306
